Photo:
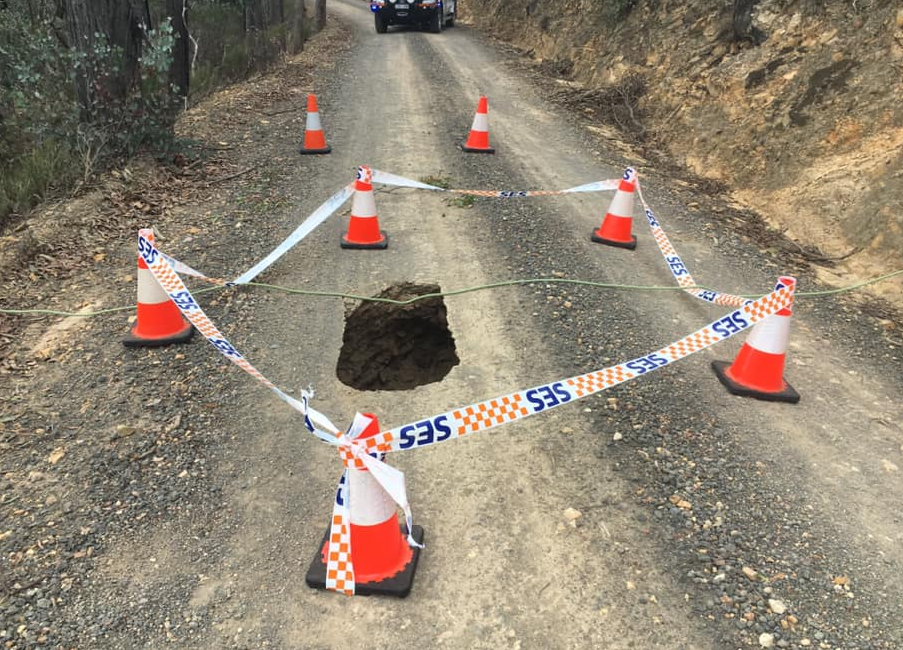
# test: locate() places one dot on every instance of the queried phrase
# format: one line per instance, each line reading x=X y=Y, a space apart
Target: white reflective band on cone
x=480 y=122
x=770 y=335
x=370 y=503
x=621 y=204
x=458 y=422
x=149 y=290
x=313 y=122
x=363 y=204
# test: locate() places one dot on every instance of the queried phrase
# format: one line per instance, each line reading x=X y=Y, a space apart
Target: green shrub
x=120 y=126
x=226 y=52
x=25 y=181
x=47 y=136
x=59 y=120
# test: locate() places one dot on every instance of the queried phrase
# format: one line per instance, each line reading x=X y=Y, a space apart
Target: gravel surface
x=728 y=512
x=146 y=497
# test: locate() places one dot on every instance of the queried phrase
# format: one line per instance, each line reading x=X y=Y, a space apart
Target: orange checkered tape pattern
x=167 y=277
x=352 y=450
x=339 y=569
x=381 y=442
x=772 y=303
x=692 y=343
x=724 y=299
x=664 y=244
x=486 y=415
x=593 y=382
x=673 y=259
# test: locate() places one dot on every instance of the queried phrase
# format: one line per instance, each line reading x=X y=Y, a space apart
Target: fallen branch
x=231 y=176
x=815 y=257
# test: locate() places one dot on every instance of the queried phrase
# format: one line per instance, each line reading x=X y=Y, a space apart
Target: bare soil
x=388 y=346
x=161 y=497
x=804 y=128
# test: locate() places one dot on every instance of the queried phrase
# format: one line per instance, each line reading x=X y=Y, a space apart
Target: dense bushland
x=87 y=83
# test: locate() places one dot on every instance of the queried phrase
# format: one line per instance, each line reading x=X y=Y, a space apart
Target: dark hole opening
x=397 y=347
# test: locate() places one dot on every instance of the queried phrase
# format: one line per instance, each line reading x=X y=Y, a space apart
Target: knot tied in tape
x=363 y=438
x=362 y=446
x=628 y=181
x=365 y=175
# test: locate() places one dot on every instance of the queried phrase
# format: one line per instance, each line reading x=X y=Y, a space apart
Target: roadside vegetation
x=85 y=85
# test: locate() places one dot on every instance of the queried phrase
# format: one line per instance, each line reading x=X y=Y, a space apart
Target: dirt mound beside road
x=804 y=127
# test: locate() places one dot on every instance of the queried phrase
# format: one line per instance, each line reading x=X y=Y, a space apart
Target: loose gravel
x=81 y=475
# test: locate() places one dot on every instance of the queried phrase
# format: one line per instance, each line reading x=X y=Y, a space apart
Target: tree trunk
x=321 y=14
x=277 y=15
x=299 y=27
x=123 y=23
x=179 y=71
x=255 y=15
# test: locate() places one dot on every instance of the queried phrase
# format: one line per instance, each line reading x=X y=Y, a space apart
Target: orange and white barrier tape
x=457 y=422
x=678 y=269
x=318 y=424
x=500 y=410
x=318 y=216
x=333 y=203
x=400 y=181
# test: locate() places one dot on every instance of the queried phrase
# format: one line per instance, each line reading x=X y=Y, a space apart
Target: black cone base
x=183 y=336
x=304 y=151
x=464 y=147
x=631 y=245
x=380 y=245
x=398 y=585
x=788 y=395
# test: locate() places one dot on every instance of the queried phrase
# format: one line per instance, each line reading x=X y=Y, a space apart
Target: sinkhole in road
x=387 y=346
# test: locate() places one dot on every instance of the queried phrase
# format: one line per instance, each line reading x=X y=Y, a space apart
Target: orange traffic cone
x=314 y=139
x=478 y=140
x=159 y=321
x=384 y=563
x=618 y=221
x=363 y=229
x=758 y=370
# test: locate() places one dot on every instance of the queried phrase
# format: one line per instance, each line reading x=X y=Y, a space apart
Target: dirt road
x=787 y=532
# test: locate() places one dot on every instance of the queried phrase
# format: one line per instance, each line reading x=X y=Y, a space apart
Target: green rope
x=852 y=287
x=85 y=314
x=458 y=292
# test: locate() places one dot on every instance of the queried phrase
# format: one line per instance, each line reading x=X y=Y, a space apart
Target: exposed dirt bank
x=804 y=127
